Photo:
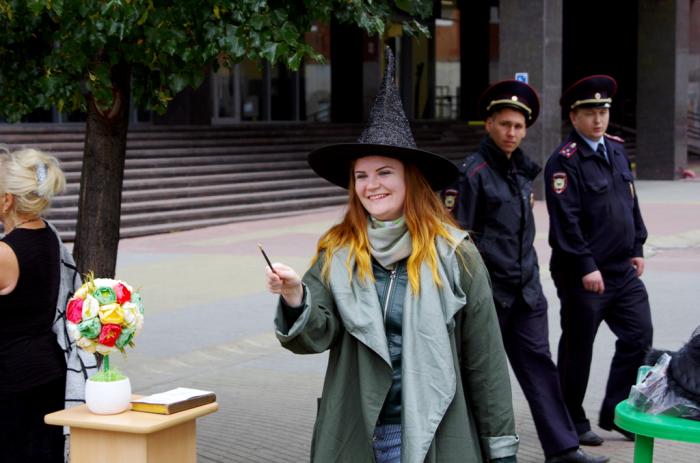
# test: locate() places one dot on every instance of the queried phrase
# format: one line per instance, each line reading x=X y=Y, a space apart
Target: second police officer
x=494 y=200
x=596 y=233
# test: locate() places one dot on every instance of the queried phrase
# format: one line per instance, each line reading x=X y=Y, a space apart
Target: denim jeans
x=387 y=443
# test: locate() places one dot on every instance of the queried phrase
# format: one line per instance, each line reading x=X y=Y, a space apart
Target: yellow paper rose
x=111 y=314
x=88 y=345
x=105 y=350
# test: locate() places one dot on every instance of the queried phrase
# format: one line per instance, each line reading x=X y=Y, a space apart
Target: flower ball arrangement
x=104 y=316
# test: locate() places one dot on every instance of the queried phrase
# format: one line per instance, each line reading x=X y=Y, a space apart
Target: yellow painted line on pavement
x=686 y=239
x=255 y=345
x=199 y=279
x=313 y=228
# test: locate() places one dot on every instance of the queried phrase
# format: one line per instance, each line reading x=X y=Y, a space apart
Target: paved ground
x=209 y=325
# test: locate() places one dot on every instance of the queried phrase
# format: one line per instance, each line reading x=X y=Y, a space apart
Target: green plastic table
x=647 y=427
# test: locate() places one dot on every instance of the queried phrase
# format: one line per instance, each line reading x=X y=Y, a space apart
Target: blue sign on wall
x=522 y=77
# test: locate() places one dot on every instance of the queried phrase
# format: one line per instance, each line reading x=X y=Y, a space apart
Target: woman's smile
x=380 y=186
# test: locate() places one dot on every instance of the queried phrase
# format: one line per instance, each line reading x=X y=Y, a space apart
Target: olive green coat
x=478 y=424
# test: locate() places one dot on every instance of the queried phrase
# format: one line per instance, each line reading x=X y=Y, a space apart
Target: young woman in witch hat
x=400 y=296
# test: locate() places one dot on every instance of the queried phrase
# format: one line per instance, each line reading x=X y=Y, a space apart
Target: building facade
x=651 y=47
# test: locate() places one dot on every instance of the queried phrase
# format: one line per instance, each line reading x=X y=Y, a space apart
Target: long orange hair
x=425 y=217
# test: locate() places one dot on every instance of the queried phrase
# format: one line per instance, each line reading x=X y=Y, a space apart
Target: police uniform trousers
x=526 y=338
x=624 y=306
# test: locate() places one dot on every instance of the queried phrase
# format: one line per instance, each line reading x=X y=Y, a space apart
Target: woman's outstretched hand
x=285 y=282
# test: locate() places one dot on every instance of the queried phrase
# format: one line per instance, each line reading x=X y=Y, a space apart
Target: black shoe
x=577 y=456
x=590 y=438
x=613 y=427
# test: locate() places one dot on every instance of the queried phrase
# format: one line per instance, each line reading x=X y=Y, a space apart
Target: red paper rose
x=109 y=335
x=74 y=311
x=122 y=292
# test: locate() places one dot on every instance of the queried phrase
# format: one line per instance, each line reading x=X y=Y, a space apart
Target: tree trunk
x=99 y=209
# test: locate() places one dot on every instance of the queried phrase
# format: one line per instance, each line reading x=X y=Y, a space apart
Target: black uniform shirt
x=494 y=202
x=594 y=217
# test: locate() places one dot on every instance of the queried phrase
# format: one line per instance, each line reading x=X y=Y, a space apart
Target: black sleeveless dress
x=32 y=365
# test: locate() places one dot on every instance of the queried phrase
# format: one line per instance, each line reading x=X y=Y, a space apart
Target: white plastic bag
x=652 y=394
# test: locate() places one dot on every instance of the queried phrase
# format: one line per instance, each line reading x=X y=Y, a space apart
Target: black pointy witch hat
x=387 y=133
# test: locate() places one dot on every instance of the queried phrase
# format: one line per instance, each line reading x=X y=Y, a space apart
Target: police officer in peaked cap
x=596 y=233
x=493 y=198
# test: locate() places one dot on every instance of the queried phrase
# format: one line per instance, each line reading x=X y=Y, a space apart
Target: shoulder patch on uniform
x=449 y=198
x=559 y=182
x=569 y=149
x=614 y=137
x=476 y=170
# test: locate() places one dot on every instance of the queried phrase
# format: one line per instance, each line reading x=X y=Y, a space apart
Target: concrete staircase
x=180 y=178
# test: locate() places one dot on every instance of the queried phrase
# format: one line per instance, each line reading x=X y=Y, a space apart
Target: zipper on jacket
x=392 y=277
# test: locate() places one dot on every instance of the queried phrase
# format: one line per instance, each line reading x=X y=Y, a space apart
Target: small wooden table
x=133 y=437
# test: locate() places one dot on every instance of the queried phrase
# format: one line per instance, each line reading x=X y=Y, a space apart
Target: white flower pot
x=108 y=397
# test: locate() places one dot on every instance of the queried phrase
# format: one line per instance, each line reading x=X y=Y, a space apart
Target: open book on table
x=173 y=401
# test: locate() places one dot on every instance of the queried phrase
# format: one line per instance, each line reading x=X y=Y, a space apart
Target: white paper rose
x=131 y=314
x=91 y=307
x=73 y=331
x=103 y=282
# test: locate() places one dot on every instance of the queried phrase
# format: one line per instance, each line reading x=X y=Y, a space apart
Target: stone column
x=346 y=72
x=662 y=88
x=531 y=41
x=474 y=55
